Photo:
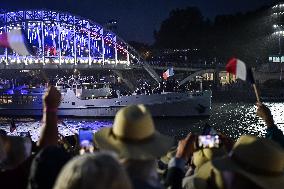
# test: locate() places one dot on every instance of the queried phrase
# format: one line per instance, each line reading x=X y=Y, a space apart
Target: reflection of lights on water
x=235 y=119
x=69 y=128
x=277 y=110
x=232 y=119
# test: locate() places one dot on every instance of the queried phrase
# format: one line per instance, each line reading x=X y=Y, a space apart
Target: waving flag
x=17 y=41
x=239 y=68
x=168 y=73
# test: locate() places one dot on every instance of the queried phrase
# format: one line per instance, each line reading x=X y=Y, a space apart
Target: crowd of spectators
x=144 y=84
x=132 y=154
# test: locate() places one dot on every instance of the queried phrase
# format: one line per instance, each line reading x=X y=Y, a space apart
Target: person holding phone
x=195 y=151
x=48 y=137
x=86 y=141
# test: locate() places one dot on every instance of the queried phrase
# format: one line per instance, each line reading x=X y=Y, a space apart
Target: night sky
x=137 y=19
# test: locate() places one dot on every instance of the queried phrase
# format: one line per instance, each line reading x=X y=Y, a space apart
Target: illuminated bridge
x=62 y=39
x=65 y=41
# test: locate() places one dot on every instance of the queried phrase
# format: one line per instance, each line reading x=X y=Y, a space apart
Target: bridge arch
x=63 y=38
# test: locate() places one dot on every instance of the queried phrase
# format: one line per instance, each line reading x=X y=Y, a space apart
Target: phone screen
x=208 y=141
x=86 y=140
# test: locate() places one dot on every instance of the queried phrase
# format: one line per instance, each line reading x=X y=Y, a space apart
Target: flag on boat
x=168 y=73
x=237 y=67
x=16 y=40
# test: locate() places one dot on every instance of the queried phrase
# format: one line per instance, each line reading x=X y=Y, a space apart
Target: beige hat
x=206 y=154
x=133 y=135
x=201 y=177
x=257 y=159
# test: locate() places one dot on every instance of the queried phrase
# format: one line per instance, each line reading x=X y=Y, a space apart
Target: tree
x=182 y=29
x=247 y=36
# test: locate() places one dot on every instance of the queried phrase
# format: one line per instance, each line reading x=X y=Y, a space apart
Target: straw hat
x=133 y=135
x=206 y=154
x=200 y=179
x=259 y=160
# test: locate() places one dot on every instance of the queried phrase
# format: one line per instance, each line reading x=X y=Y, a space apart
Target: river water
x=232 y=119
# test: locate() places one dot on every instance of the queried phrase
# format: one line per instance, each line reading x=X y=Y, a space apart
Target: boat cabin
x=92 y=90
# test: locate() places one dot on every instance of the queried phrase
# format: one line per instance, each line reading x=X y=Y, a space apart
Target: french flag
x=239 y=68
x=16 y=40
x=168 y=73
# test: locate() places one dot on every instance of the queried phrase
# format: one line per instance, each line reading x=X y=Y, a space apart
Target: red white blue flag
x=168 y=73
x=17 y=41
x=239 y=68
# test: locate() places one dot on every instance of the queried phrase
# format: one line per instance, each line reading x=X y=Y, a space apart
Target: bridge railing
x=186 y=64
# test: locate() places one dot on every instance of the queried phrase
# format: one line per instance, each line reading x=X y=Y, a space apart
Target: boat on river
x=95 y=100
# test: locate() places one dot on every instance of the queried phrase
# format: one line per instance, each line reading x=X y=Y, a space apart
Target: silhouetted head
x=46 y=167
x=96 y=171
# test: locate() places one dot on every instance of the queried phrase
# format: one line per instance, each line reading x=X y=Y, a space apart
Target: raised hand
x=264 y=113
x=186 y=147
x=52 y=98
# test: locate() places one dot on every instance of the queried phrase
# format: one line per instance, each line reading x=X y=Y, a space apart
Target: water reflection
x=232 y=119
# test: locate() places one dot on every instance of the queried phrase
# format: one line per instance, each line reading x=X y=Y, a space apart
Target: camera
x=86 y=141
x=208 y=141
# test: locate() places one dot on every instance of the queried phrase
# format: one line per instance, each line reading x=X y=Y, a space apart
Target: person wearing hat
x=188 y=151
x=255 y=163
x=176 y=166
x=134 y=138
x=164 y=161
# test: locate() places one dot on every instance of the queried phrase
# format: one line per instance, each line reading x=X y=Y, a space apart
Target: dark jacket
x=275 y=134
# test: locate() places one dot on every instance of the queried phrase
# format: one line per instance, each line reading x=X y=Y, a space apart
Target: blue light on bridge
x=63 y=38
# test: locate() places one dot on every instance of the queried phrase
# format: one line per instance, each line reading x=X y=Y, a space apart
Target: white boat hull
x=160 y=105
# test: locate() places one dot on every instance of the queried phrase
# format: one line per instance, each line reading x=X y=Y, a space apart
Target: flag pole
x=256 y=92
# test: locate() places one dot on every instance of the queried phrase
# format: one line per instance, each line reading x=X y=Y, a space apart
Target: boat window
x=73 y=103
x=5 y=99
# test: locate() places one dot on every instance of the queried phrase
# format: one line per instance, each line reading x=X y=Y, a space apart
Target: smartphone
x=86 y=141
x=208 y=141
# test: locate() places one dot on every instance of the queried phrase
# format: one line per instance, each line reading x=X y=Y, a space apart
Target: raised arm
x=264 y=113
x=49 y=132
x=176 y=166
x=272 y=131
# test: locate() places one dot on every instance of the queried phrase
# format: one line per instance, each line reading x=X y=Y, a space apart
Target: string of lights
x=63 y=38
